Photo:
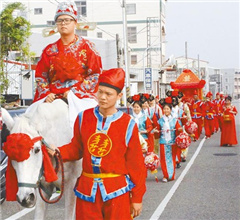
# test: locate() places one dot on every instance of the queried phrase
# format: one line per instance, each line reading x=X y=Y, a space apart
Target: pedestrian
x=68 y=68
x=112 y=183
x=168 y=127
x=157 y=114
x=149 y=112
x=142 y=120
x=228 y=134
x=208 y=113
x=218 y=111
x=196 y=109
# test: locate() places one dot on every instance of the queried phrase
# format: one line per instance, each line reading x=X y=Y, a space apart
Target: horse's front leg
x=72 y=172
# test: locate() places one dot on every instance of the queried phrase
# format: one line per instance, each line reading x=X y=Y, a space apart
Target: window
x=226 y=80
x=133 y=59
x=99 y=34
x=50 y=23
x=81 y=33
x=131 y=9
x=132 y=34
x=81 y=8
x=37 y=11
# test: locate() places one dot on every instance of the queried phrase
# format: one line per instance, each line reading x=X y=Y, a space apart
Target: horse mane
x=22 y=125
x=49 y=120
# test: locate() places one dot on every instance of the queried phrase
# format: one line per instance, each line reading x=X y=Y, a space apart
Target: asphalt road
x=207 y=186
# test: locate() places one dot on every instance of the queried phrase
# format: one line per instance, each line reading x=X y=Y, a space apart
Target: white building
x=225 y=80
x=231 y=82
x=145 y=31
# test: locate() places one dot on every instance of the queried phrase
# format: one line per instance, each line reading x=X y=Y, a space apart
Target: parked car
x=126 y=109
x=3 y=167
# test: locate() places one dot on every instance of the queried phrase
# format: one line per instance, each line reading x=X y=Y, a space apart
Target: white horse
x=51 y=121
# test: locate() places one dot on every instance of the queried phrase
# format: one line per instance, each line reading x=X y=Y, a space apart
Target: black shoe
x=183 y=159
x=178 y=165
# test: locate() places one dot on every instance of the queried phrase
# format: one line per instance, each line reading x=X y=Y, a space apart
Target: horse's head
x=25 y=154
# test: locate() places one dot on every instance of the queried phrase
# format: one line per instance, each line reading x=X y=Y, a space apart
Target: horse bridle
x=41 y=187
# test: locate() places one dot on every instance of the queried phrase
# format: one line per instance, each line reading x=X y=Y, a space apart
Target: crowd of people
x=160 y=121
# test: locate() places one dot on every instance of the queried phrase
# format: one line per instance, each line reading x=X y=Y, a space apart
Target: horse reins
x=59 y=164
x=59 y=160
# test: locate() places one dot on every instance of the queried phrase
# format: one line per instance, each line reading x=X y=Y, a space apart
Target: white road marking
x=167 y=198
x=27 y=210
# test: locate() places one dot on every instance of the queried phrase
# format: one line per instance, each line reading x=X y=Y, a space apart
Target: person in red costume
x=70 y=67
x=208 y=113
x=112 y=183
x=196 y=113
x=218 y=111
x=229 y=135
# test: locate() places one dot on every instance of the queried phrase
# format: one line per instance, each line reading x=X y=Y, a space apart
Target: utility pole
x=126 y=56
x=186 y=56
x=160 y=32
x=159 y=89
x=199 y=76
x=118 y=51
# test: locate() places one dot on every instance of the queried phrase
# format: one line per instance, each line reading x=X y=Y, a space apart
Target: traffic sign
x=148 y=78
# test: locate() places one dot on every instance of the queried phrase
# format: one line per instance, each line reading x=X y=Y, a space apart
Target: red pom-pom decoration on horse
x=152 y=162
x=191 y=127
x=183 y=140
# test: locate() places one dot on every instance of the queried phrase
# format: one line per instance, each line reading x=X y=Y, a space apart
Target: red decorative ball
x=191 y=127
x=152 y=161
x=18 y=146
x=183 y=140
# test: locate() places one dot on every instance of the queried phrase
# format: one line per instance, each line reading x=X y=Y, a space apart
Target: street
x=206 y=187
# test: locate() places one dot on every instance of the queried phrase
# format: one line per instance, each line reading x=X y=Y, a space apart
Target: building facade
x=226 y=81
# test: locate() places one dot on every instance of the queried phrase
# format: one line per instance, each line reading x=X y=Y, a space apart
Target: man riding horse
x=68 y=68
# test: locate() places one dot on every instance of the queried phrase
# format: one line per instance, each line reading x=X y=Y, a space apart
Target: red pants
x=219 y=117
x=209 y=127
x=113 y=209
x=179 y=152
x=216 y=124
x=199 y=122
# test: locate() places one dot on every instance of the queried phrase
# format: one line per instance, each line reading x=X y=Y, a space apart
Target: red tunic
x=208 y=113
x=61 y=68
x=196 y=113
x=218 y=110
x=229 y=134
x=124 y=159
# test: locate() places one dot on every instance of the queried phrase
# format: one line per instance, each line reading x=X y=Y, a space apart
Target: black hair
x=168 y=104
x=138 y=102
x=174 y=101
x=228 y=98
x=130 y=99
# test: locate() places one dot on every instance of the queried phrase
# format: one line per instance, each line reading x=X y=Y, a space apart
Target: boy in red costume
x=112 y=183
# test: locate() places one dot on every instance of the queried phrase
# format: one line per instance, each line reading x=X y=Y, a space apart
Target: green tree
x=13 y=34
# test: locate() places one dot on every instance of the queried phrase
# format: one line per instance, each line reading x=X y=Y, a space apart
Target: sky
x=210 y=28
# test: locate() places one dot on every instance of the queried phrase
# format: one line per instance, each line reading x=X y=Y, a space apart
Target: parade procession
x=95 y=142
